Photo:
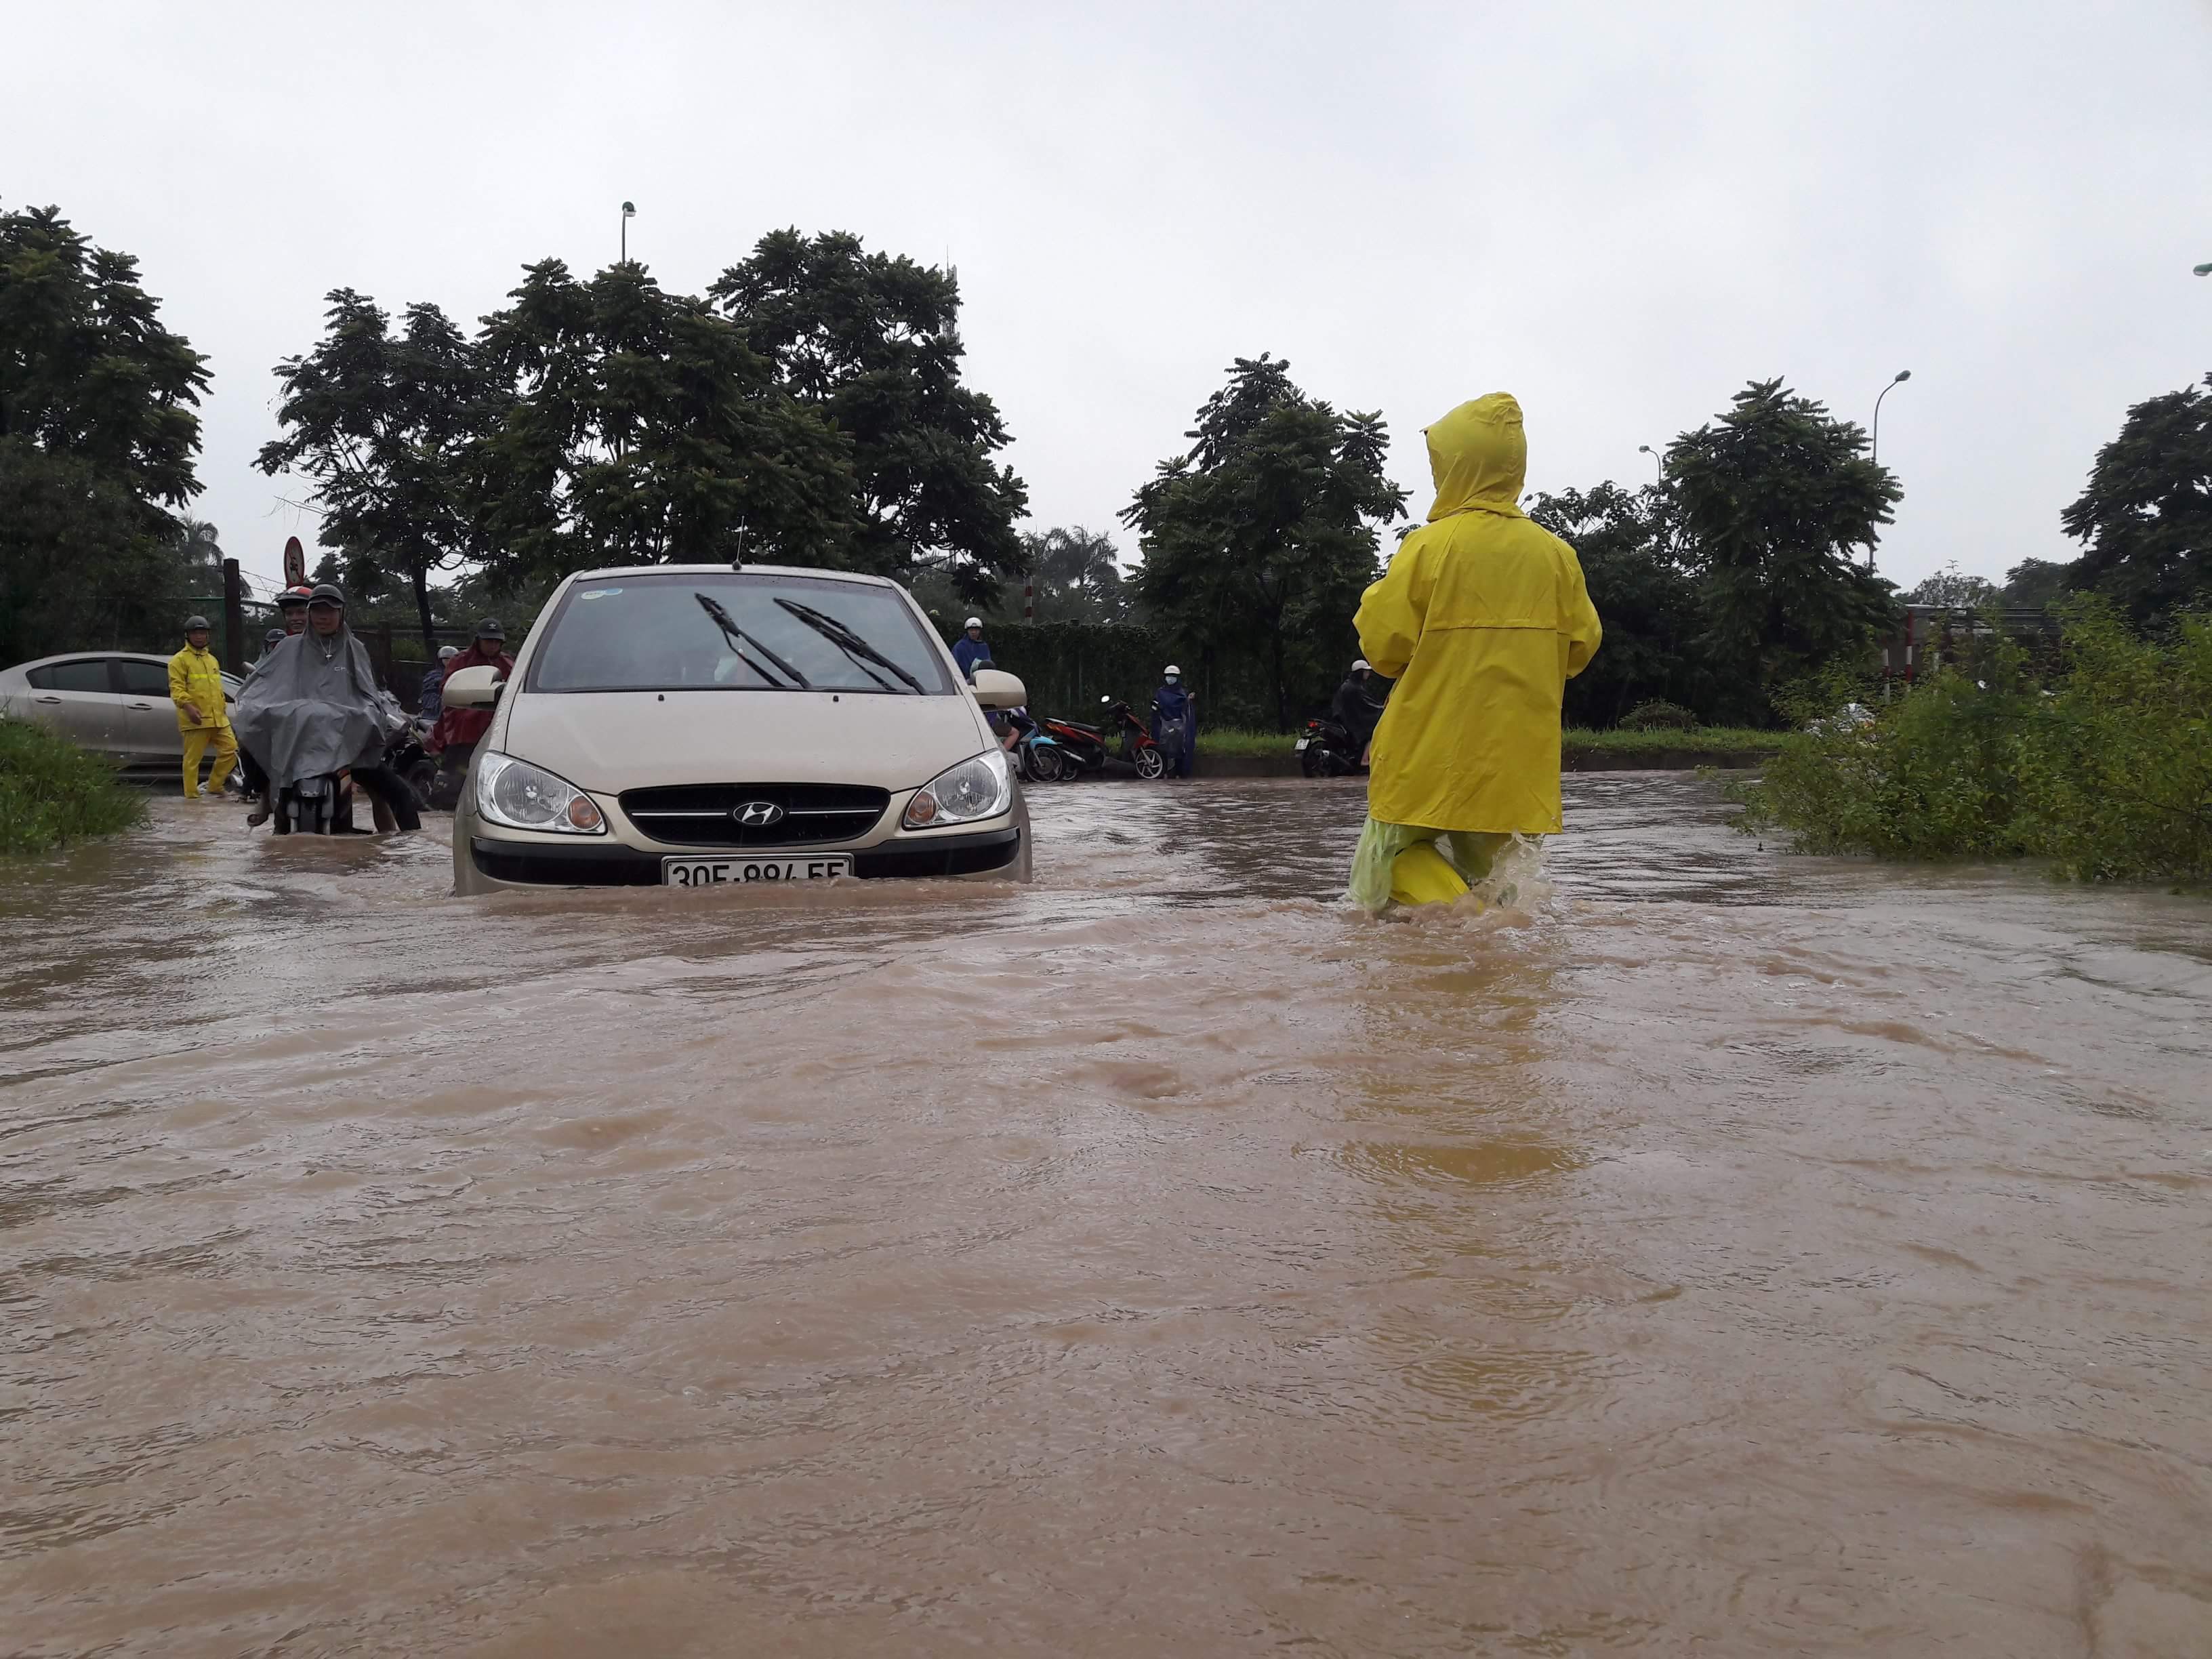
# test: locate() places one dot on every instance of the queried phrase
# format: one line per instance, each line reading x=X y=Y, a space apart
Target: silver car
x=112 y=703
x=691 y=725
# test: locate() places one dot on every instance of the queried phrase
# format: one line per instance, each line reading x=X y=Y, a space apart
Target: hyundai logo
x=758 y=814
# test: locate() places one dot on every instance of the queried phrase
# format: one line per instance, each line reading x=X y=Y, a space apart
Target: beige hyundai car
x=689 y=726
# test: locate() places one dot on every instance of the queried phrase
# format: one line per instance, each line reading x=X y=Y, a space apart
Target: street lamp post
x=1903 y=375
x=2205 y=270
x=630 y=212
x=1646 y=449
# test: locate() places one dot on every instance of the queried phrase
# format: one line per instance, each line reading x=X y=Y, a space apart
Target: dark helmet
x=196 y=624
x=272 y=637
x=292 y=596
x=326 y=593
x=489 y=628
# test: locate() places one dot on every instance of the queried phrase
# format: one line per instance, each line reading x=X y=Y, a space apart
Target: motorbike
x=1082 y=748
x=318 y=805
x=323 y=805
x=407 y=757
x=1037 y=756
x=1326 y=749
x=1138 y=747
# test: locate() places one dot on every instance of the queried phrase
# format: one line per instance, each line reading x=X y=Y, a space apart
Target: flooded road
x=1723 y=1252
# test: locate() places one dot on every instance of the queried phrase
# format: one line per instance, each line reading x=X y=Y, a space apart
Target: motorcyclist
x=1175 y=722
x=312 y=707
x=970 y=650
x=434 y=684
x=1356 y=708
x=292 y=609
x=459 y=730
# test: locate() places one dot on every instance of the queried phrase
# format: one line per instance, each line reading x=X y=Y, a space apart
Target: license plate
x=714 y=872
x=1299 y=747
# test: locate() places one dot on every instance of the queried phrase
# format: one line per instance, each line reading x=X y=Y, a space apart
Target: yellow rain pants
x=1404 y=864
x=197 y=740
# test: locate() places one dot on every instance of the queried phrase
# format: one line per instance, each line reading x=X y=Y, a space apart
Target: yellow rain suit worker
x=1482 y=619
x=195 y=687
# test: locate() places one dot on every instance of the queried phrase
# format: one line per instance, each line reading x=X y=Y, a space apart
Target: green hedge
x=1068 y=665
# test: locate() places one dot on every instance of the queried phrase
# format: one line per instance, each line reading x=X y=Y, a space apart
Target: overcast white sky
x=1619 y=213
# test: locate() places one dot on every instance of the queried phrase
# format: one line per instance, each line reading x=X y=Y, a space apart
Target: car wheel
x=1150 y=763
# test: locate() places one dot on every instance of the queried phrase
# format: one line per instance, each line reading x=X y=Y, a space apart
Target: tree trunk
x=1282 y=691
x=422 y=579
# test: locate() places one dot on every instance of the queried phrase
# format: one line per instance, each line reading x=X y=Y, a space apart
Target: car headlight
x=525 y=797
x=981 y=787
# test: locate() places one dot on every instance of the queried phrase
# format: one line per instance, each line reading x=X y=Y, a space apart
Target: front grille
x=705 y=814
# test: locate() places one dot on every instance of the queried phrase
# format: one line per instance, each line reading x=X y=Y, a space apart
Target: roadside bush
x=2106 y=770
x=52 y=793
x=2117 y=782
x=1660 y=715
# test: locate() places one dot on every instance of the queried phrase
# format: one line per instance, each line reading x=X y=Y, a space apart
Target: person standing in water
x=195 y=687
x=1481 y=619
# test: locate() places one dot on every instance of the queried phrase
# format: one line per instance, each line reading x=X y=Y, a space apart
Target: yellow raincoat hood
x=1479 y=456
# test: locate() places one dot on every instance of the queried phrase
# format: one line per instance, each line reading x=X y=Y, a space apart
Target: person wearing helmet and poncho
x=292 y=607
x=312 y=707
x=432 y=695
x=1356 y=708
x=1175 y=722
x=1481 y=619
x=970 y=650
x=459 y=730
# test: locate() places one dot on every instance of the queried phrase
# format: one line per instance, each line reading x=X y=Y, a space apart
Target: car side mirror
x=472 y=687
x=995 y=688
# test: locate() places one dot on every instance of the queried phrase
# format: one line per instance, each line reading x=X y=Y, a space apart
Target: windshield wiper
x=847 y=642
x=739 y=640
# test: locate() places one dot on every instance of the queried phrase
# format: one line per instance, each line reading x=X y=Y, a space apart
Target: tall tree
x=1955 y=587
x=386 y=425
x=871 y=344
x=642 y=428
x=1264 y=530
x=98 y=436
x=2145 y=517
x=1077 y=576
x=1774 y=497
x=1647 y=597
x=2036 y=581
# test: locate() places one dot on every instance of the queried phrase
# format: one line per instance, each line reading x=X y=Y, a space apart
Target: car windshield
x=651 y=632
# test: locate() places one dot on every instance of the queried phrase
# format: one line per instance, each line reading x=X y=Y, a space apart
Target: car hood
x=609 y=741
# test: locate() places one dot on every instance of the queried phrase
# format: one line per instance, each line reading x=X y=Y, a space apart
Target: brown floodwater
x=1713 y=1251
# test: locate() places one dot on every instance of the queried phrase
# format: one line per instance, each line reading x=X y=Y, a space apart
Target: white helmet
x=973 y=621
x=1358 y=664
x=448 y=653
x=1172 y=670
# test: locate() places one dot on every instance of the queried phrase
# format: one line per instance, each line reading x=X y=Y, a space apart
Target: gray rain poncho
x=311 y=705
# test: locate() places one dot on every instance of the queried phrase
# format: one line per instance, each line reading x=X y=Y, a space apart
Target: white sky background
x=1619 y=213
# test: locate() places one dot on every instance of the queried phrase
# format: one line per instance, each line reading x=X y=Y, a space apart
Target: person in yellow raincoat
x=195 y=687
x=1481 y=618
